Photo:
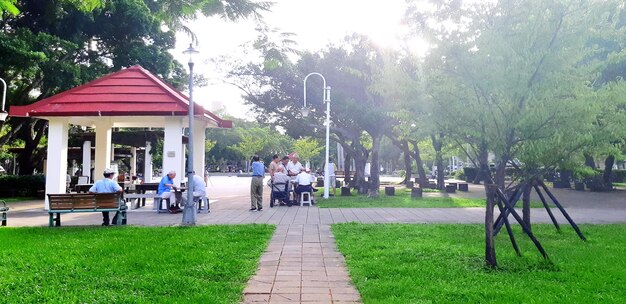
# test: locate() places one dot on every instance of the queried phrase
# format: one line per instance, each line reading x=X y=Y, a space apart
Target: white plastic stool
x=305 y=198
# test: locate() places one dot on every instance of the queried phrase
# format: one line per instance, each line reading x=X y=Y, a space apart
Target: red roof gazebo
x=130 y=98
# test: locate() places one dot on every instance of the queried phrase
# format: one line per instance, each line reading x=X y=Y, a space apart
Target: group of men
x=285 y=170
x=108 y=185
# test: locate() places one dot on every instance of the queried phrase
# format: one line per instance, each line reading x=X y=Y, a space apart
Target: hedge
x=22 y=185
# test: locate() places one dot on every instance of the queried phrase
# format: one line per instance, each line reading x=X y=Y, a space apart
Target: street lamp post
x=305 y=113
x=189 y=211
x=3 y=114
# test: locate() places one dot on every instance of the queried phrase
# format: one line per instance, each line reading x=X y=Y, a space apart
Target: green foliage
x=460 y=174
x=52 y=46
x=209 y=264
x=307 y=148
x=25 y=185
x=395 y=263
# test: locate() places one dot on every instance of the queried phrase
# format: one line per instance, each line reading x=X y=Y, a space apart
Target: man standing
x=165 y=189
x=256 y=187
x=106 y=185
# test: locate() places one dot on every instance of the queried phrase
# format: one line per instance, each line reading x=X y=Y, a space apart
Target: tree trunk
x=437 y=144
x=360 y=182
x=483 y=161
x=423 y=179
x=589 y=161
x=30 y=158
x=608 y=170
x=407 y=163
x=346 y=170
x=501 y=172
x=374 y=183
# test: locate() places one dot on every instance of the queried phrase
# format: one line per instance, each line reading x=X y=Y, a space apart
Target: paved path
x=302 y=264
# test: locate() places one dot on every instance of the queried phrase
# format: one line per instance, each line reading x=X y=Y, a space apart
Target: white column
x=103 y=148
x=147 y=166
x=199 y=138
x=173 y=148
x=133 y=161
x=56 y=169
x=87 y=158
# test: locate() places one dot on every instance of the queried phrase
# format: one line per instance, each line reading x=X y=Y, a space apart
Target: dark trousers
x=105 y=218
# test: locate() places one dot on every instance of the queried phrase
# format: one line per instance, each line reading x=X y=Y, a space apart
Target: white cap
x=108 y=171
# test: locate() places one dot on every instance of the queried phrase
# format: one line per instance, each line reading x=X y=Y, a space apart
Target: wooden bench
x=342 y=174
x=85 y=202
x=3 y=213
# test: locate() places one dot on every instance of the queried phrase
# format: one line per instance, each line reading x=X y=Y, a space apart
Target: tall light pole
x=189 y=212
x=305 y=113
x=3 y=114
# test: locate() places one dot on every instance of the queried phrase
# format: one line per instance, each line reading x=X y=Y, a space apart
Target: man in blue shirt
x=106 y=185
x=166 y=185
x=256 y=187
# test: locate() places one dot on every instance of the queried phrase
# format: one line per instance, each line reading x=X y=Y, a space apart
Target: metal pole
x=326 y=176
x=189 y=211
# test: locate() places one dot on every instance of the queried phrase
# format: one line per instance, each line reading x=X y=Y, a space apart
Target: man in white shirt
x=294 y=167
x=303 y=183
x=199 y=187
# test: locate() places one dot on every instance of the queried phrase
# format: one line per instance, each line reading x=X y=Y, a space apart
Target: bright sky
x=316 y=23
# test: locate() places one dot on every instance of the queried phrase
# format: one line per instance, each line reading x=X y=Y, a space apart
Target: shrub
x=23 y=185
x=459 y=174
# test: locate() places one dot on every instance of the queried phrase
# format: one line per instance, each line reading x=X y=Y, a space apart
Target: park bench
x=3 y=213
x=85 y=202
x=342 y=174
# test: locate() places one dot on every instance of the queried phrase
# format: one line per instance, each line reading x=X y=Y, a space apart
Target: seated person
x=165 y=188
x=280 y=177
x=107 y=185
x=279 y=181
x=199 y=188
x=303 y=183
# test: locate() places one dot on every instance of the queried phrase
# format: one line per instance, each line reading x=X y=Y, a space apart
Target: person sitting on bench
x=107 y=185
x=165 y=189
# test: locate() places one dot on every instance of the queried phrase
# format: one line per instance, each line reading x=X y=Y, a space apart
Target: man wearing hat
x=106 y=185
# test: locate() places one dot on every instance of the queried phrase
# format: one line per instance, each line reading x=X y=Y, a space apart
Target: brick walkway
x=301 y=265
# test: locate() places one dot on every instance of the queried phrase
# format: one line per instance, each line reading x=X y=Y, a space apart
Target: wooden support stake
x=513 y=201
x=521 y=222
x=558 y=205
x=545 y=205
x=490 y=250
x=526 y=204
x=509 y=230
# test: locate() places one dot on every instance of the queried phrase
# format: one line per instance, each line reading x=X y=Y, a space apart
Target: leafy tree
x=307 y=148
x=51 y=46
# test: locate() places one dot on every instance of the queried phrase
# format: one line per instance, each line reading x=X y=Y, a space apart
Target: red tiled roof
x=130 y=92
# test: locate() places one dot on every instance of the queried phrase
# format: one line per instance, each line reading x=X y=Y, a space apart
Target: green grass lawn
x=209 y=264
x=445 y=264
x=19 y=199
x=403 y=199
